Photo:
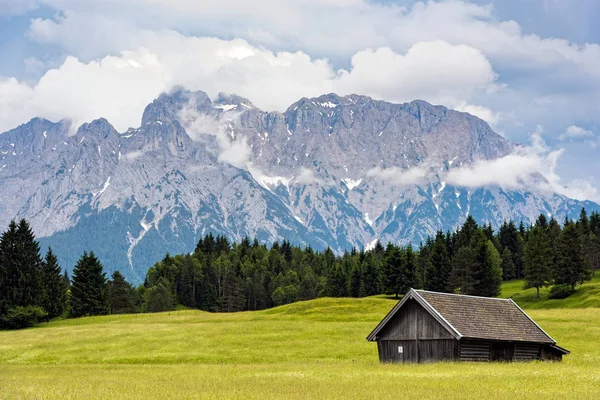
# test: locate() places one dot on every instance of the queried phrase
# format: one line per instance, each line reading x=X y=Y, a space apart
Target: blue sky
x=525 y=66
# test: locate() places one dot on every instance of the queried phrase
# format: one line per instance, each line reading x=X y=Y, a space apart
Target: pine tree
x=595 y=223
x=393 y=268
x=570 y=268
x=509 y=270
x=438 y=274
x=9 y=269
x=122 y=295
x=467 y=231
x=410 y=273
x=337 y=282
x=538 y=260
x=463 y=266
x=233 y=294
x=355 y=279
x=583 y=224
x=541 y=221
x=370 y=278
x=89 y=288
x=30 y=266
x=424 y=263
x=54 y=291
x=487 y=275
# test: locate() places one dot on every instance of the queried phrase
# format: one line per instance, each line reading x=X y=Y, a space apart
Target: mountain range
x=331 y=171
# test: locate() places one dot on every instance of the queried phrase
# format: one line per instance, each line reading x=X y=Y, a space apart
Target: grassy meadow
x=307 y=350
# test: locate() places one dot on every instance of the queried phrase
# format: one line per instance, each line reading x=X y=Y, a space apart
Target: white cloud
x=484 y=113
x=235 y=152
x=400 y=176
x=575 y=132
x=528 y=167
x=119 y=87
x=563 y=76
x=307 y=177
x=510 y=172
x=316 y=26
x=434 y=71
x=133 y=155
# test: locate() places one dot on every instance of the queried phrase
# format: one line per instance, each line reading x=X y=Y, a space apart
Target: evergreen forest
x=221 y=276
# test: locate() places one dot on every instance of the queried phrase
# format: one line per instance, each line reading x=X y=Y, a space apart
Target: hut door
x=401 y=353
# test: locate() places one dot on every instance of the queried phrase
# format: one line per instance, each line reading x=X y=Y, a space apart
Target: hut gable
x=426 y=326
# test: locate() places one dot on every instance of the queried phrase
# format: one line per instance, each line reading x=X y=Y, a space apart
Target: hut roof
x=474 y=317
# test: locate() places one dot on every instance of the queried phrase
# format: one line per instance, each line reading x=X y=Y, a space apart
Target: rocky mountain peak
x=167 y=106
x=324 y=173
x=228 y=102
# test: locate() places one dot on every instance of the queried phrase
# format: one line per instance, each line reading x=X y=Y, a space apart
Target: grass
x=307 y=350
x=587 y=295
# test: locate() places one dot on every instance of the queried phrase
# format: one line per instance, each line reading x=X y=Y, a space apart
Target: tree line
x=220 y=276
x=34 y=289
x=473 y=260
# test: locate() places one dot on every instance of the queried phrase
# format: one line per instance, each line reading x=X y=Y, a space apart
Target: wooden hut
x=429 y=326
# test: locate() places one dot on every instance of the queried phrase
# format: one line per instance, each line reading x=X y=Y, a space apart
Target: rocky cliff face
x=324 y=173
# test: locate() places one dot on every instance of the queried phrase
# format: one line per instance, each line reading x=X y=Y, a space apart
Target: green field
x=314 y=349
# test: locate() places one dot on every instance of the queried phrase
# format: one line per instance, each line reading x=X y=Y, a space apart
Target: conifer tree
x=30 y=265
x=20 y=268
x=467 y=231
x=122 y=295
x=89 y=288
x=509 y=270
x=487 y=275
x=463 y=267
x=538 y=260
x=393 y=268
x=233 y=295
x=438 y=274
x=354 y=283
x=424 y=263
x=9 y=269
x=54 y=291
x=337 y=282
x=570 y=268
x=410 y=273
x=370 y=277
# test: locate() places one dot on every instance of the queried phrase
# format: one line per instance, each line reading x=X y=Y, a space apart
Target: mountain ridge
x=323 y=173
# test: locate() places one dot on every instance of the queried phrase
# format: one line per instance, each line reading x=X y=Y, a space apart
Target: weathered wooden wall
x=413 y=322
x=421 y=336
x=416 y=351
x=527 y=351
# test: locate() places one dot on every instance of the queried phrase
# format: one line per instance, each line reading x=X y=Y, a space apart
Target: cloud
x=513 y=171
x=308 y=177
x=484 y=113
x=564 y=76
x=575 y=132
x=400 y=176
x=231 y=151
x=237 y=154
x=119 y=87
x=528 y=167
x=434 y=71
x=133 y=155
